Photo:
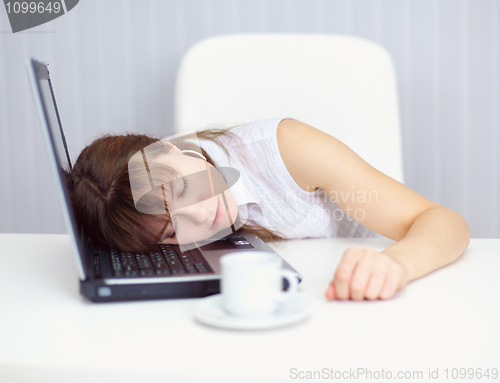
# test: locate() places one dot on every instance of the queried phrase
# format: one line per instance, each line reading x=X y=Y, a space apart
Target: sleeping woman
x=294 y=182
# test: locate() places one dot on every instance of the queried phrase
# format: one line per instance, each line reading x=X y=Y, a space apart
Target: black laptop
x=109 y=274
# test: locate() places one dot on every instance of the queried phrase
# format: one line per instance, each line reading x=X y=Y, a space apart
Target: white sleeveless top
x=267 y=189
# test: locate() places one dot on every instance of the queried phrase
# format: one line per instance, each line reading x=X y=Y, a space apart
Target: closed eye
x=164 y=236
x=186 y=187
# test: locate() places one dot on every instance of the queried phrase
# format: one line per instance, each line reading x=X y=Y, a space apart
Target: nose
x=198 y=213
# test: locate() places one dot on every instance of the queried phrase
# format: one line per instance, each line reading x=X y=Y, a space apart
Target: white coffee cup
x=251 y=284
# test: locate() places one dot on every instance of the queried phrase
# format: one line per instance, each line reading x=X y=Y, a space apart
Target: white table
x=49 y=333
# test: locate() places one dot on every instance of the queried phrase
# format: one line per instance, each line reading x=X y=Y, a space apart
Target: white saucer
x=209 y=311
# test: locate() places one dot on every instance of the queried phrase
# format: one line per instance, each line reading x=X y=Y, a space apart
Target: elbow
x=453 y=228
x=462 y=230
x=467 y=233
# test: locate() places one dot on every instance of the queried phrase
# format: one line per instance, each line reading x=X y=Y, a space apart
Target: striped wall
x=114 y=62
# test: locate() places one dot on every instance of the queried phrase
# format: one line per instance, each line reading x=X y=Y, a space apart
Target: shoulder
x=291 y=133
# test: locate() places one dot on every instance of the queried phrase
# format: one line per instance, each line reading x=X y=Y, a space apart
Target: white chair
x=343 y=85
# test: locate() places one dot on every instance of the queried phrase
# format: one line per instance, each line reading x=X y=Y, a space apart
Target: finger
x=361 y=276
x=375 y=285
x=330 y=292
x=377 y=279
x=344 y=272
x=391 y=283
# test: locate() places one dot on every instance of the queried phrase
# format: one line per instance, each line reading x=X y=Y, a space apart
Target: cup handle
x=293 y=285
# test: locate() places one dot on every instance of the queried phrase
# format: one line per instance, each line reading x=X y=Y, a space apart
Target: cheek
x=191 y=233
x=203 y=194
x=231 y=203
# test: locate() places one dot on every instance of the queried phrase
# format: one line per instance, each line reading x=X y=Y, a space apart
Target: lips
x=218 y=215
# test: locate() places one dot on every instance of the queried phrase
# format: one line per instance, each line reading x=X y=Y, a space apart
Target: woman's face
x=197 y=212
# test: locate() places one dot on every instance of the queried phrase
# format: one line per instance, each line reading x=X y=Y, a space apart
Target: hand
x=367 y=274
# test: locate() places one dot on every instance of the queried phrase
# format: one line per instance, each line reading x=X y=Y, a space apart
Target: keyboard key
x=201 y=267
x=143 y=261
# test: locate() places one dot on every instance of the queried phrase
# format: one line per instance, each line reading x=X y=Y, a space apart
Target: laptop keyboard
x=165 y=261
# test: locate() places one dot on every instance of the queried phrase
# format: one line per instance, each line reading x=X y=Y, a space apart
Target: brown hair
x=101 y=195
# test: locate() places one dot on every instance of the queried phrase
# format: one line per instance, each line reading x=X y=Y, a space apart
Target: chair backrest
x=342 y=85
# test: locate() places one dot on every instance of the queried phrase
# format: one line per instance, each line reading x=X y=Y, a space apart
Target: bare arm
x=429 y=235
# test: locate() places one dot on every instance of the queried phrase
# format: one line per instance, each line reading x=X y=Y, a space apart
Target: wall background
x=113 y=64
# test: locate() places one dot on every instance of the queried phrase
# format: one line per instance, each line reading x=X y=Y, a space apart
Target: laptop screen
x=54 y=136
